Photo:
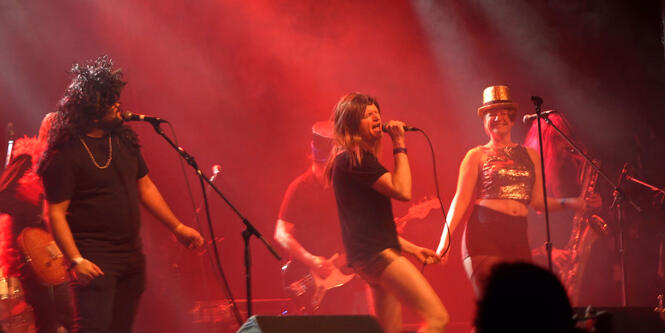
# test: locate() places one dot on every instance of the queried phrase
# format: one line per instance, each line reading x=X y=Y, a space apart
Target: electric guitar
x=307 y=289
x=42 y=255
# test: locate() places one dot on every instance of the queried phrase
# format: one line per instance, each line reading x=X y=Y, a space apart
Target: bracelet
x=399 y=150
x=75 y=261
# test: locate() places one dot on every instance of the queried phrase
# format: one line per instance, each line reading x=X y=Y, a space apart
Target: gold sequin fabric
x=507 y=173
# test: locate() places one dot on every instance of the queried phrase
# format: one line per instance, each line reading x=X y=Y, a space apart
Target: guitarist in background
x=308 y=229
x=21 y=198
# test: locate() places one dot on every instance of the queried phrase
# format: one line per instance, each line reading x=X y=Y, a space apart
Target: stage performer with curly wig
x=94 y=178
x=363 y=190
x=21 y=206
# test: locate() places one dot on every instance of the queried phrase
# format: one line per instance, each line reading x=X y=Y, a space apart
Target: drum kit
x=16 y=315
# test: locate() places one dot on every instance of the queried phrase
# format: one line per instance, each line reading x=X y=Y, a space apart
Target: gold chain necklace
x=93 y=157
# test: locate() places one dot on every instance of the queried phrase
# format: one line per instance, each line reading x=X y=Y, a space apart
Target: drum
x=10 y=288
x=16 y=315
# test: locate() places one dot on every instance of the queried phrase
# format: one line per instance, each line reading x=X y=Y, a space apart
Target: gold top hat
x=496 y=97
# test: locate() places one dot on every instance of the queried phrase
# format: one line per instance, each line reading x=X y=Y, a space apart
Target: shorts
x=371 y=269
x=492 y=233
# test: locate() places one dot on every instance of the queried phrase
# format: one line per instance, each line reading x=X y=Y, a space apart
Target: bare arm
x=466 y=184
x=57 y=213
x=284 y=236
x=154 y=202
x=396 y=185
x=424 y=255
x=553 y=204
x=84 y=270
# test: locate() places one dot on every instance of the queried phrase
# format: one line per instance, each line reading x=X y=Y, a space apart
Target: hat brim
x=504 y=105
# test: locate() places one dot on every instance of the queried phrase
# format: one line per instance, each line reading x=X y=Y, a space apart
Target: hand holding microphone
x=406 y=128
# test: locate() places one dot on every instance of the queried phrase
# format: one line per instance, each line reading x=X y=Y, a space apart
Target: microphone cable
x=438 y=193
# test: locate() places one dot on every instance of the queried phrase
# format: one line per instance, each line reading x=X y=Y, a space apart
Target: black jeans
x=109 y=302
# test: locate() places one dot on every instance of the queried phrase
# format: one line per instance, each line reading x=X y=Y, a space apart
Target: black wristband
x=399 y=150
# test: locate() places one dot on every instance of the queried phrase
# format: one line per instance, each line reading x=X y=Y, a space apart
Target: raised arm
x=154 y=202
x=466 y=184
x=396 y=185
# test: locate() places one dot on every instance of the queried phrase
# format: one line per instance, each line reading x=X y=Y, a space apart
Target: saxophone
x=586 y=229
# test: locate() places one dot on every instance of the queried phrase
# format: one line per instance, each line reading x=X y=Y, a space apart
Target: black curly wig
x=95 y=88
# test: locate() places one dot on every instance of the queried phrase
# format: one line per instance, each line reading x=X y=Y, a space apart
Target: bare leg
x=405 y=283
x=387 y=309
x=478 y=269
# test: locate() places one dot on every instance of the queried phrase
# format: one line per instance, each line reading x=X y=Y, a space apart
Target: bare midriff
x=505 y=206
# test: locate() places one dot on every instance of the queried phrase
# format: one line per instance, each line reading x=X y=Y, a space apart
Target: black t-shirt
x=103 y=214
x=365 y=215
x=310 y=207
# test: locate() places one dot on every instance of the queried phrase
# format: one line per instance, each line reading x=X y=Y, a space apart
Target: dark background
x=242 y=82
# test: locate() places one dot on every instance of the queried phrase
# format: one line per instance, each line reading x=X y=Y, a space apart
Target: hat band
x=498 y=101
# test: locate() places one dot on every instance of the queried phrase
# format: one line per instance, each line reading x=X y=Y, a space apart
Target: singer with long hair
x=497 y=182
x=363 y=190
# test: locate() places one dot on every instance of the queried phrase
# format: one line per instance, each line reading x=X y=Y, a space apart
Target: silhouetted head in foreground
x=521 y=297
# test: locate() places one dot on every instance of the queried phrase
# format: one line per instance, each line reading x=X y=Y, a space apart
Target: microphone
x=216 y=169
x=128 y=116
x=537 y=100
x=384 y=127
x=528 y=117
x=10 y=131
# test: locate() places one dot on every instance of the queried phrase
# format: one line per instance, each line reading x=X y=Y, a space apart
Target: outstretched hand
x=187 y=236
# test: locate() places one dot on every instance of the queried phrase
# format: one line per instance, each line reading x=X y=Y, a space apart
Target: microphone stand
x=249 y=231
x=538 y=102
x=645 y=184
x=618 y=194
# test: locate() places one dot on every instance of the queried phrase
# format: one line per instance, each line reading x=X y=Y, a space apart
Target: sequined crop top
x=507 y=173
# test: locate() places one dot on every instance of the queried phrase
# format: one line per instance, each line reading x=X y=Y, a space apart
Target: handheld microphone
x=537 y=100
x=384 y=127
x=128 y=116
x=531 y=116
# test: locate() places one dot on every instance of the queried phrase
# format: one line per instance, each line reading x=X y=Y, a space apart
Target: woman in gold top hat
x=496 y=183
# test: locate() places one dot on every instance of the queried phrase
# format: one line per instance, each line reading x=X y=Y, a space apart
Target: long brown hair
x=346 y=118
x=552 y=142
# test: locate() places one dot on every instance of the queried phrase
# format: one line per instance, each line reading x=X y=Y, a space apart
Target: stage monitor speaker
x=319 y=324
x=628 y=320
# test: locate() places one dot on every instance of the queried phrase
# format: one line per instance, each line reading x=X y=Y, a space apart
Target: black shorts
x=371 y=269
x=492 y=233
